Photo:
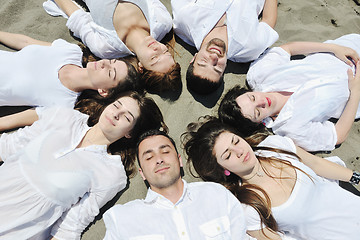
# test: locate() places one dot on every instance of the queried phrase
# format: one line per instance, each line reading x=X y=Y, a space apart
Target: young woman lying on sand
x=47 y=74
x=283 y=188
x=115 y=28
x=296 y=98
x=61 y=170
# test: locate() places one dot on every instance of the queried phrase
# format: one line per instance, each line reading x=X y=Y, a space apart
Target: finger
x=350 y=74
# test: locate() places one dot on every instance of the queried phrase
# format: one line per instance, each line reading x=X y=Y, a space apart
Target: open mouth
x=216 y=50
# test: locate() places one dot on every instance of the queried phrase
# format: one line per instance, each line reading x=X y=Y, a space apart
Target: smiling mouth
x=216 y=50
x=151 y=43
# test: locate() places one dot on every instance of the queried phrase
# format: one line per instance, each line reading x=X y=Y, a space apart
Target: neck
x=94 y=137
x=75 y=78
x=173 y=192
x=135 y=38
x=219 y=31
x=255 y=175
x=282 y=98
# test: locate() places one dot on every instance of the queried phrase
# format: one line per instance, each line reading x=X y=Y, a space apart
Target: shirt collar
x=153 y=197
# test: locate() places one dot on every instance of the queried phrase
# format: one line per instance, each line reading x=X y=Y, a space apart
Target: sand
x=316 y=20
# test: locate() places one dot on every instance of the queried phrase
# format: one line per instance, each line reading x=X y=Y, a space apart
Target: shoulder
x=65 y=44
x=61 y=114
x=280 y=142
x=207 y=188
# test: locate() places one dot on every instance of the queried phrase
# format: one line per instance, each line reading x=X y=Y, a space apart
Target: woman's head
x=125 y=117
x=231 y=113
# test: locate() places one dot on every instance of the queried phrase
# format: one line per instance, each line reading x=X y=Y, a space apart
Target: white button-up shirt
x=247 y=37
x=204 y=211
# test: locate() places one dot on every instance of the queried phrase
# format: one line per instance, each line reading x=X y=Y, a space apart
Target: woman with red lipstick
x=115 y=28
x=48 y=74
x=61 y=170
x=283 y=188
x=296 y=98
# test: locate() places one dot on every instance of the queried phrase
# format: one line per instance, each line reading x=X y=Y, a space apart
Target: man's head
x=159 y=160
x=206 y=69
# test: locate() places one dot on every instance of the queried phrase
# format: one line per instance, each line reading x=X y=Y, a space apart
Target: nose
x=159 y=160
x=117 y=113
x=261 y=104
x=214 y=58
x=237 y=151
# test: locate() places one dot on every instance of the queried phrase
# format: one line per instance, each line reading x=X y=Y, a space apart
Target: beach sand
x=316 y=20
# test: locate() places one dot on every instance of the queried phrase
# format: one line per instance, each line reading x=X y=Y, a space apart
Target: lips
x=269 y=101
x=216 y=50
x=246 y=158
x=110 y=120
x=151 y=43
x=162 y=169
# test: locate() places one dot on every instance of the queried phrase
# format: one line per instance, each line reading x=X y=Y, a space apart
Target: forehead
x=130 y=104
x=222 y=142
x=164 y=63
x=154 y=143
x=206 y=70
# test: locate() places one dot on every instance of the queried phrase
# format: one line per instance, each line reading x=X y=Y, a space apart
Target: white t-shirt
x=319 y=84
x=30 y=76
x=204 y=211
x=66 y=185
x=247 y=37
x=316 y=209
x=96 y=29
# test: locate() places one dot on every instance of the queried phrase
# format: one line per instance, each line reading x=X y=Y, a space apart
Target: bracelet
x=355 y=179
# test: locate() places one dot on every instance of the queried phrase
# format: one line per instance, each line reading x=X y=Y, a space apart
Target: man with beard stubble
x=173 y=208
x=221 y=30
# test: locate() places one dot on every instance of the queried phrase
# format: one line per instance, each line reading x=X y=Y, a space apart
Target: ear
x=142 y=174
x=192 y=60
x=141 y=67
x=127 y=135
x=103 y=92
x=180 y=160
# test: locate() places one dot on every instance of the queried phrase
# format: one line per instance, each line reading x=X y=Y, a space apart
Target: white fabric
x=96 y=29
x=247 y=37
x=320 y=86
x=30 y=76
x=316 y=208
x=205 y=211
x=45 y=179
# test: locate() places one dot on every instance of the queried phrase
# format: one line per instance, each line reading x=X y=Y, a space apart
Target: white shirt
x=319 y=78
x=78 y=180
x=247 y=37
x=316 y=209
x=96 y=29
x=30 y=76
x=204 y=211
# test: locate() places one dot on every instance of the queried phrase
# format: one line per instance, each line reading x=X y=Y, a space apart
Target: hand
x=354 y=81
x=344 y=53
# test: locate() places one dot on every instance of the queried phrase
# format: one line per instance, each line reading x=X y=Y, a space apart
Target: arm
x=19 y=41
x=341 y=52
x=259 y=234
x=67 y=6
x=269 y=15
x=21 y=119
x=323 y=167
x=346 y=119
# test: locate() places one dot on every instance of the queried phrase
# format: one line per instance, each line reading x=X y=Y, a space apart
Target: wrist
x=355 y=178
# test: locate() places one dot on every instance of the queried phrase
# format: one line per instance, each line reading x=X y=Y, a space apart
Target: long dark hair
x=198 y=143
x=150 y=118
x=230 y=113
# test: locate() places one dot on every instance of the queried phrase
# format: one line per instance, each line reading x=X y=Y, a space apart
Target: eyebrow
x=127 y=111
x=151 y=150
x=232 y=140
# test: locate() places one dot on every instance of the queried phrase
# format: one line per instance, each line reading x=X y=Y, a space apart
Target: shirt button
x=218 y=228
x=183 y=233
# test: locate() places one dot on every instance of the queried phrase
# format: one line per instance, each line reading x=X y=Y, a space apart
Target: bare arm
x=21 y=119
x=341 y=52
x=19 y=41
x=259 y=235
x=67 y=6
x=270 y=13
x=323 y=167
x=346 y=119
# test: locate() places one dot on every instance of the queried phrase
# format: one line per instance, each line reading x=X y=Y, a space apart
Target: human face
x=234 y=154
x=159 y=162
x=154 y=56
x=257 y=106
x=106 y=74
x=210 y=61
x=118 y=119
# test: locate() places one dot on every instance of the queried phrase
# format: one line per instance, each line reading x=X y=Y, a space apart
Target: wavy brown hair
x=198 y=143
x=150 y=118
